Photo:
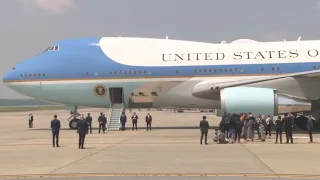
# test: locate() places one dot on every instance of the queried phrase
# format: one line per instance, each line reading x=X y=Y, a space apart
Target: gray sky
x=29 y=26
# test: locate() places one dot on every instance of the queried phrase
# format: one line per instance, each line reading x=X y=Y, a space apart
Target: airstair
x=114 y=116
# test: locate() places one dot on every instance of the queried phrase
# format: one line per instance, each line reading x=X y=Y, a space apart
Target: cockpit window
x=52 y=48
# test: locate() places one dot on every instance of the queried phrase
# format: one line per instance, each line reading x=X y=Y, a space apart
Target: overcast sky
x=29 y=26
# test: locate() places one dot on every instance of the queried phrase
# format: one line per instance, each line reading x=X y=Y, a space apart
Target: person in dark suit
x=134 y=121
x=82 y=131
x=123 y=120
x=89 y=122
x=55 y=128
x=310 y=127
x=278 y=127
x=104 y=123
x=288 y=125
x=148 y=121
x=101 y=122
x=204 y=127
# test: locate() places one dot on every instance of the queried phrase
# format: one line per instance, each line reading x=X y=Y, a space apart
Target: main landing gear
x=73 y=118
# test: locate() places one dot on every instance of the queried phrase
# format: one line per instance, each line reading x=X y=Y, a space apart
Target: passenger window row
x=130 y=72
x=33 y=75
x=219 y=70
x=148 y=72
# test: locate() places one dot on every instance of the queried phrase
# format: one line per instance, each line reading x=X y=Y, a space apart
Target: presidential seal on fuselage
x=100 y=90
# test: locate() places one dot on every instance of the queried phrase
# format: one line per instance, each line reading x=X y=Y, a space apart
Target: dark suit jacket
x=204 y=126
x=101 y=120
x=55 y=125
x=134 y=118
x=278 y=125
x=309 y=124
x=288 y=122
x=82 y=127
x=149 y=119
x=123 y=118
x=89 y=119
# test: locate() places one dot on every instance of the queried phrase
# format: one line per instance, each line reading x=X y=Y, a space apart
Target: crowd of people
x=233 y=127
x=237 y=127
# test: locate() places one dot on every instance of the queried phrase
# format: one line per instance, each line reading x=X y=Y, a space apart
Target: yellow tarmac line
x=158 y=174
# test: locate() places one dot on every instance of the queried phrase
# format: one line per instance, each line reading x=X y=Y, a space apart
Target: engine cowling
x=260 y=101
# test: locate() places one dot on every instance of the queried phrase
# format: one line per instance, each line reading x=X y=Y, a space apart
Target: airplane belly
x=152 y=93
x=75 y=93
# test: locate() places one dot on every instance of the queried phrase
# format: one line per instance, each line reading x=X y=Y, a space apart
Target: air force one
x=120 y=72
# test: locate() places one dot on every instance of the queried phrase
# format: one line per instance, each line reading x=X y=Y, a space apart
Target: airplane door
x=116 y=95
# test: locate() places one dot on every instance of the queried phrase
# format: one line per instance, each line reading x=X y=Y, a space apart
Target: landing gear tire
x=73 y=124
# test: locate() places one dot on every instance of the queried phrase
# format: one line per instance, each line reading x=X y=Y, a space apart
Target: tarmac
x=170 y=153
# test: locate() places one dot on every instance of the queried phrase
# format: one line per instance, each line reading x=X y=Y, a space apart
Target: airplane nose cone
x=9 y=76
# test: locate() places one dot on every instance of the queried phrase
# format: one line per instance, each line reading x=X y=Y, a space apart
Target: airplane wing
x=208 y=86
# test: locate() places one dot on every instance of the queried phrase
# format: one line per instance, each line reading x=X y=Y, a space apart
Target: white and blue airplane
x=118 y=72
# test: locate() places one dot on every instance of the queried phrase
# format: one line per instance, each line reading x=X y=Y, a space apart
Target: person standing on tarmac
x=89 y=122
x=82 y=131
x=55 y=128
x=251 y=124
x=278 y=127
x=226 y=125
x=268 y=126
x=204 y=128
x=104 y=123
x=257 y=125
x=232 y=127
x=288 y=124
x=30 y=120
x=221 y=125
x=123 y=120
x=101 y=120
x=262 y=126
x=310 y=127
x=134 y=121
x=245 y=127
x=239 y=125
x=148 y=121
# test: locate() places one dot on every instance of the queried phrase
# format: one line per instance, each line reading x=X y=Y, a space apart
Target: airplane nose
x=9 y=76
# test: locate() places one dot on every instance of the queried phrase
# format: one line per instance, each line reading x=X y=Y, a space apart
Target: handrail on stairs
x=120 y=116
x=109 y=116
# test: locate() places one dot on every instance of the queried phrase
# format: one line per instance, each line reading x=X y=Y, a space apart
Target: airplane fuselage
x=157 y=72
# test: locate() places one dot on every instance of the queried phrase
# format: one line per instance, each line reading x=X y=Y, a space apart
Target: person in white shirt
x=134 y=121
x=268 y=126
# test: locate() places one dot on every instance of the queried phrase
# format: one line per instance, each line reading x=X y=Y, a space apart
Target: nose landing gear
x=73 y=121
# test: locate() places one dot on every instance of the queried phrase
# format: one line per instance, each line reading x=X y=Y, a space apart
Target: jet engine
x=260 y=101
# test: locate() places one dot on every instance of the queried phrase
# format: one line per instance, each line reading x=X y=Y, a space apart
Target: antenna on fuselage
x=299 y=38
x=167 y=38
x=223 y=42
